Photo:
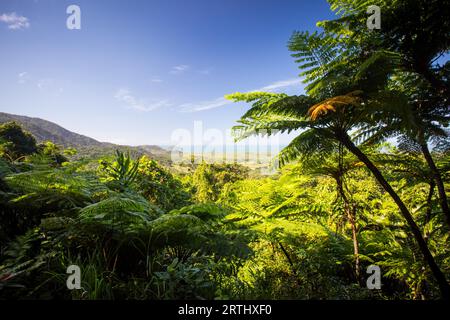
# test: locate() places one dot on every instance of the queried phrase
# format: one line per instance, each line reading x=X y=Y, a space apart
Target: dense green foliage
x=344 y=198
x=139 y=231
x=15 y=142
x=210 y=180
x=362 y=88
x=114 y=222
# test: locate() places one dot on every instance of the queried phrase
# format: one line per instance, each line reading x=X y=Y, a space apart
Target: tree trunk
x=428 y=214
x=428 y=257
x=439 y=183
x=288 y=257
x=351 y=216
x=355 y=245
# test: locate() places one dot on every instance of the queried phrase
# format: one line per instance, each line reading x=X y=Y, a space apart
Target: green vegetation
x=15 y=142
x=344 y=198
x=45 y=131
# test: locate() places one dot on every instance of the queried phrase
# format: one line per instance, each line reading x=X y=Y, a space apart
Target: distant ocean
x=236 y=148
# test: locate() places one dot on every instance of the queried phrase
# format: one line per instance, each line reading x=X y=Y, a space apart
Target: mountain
x=44 y=130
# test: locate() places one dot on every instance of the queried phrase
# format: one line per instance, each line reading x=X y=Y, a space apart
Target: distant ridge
x=45 y=130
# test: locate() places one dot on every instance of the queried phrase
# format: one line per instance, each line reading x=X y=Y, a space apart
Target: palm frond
x=310 y=143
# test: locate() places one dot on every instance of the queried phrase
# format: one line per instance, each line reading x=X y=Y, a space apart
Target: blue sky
x=138 y=70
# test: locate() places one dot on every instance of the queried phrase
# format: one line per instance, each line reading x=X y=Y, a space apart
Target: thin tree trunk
x=439 y=183
x=429 y=259
x=429 y=208
x=288 y=257
x=351 y=216
x=355 y=245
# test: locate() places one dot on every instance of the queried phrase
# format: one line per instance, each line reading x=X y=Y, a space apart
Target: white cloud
x=274 y=87
x=45 y=84
x=23 y=77
x=125 y=96
x=205 y=105
x=179 y=69
x=156 y=80
x=14 y=21
x=220 y=102
x=49 y=86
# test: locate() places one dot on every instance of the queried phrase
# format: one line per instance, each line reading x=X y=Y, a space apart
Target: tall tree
x=342 y=59
x=325 y=123
x=413 y=39
x=15 y=142
x=346 y=57
x=414 y=113
x=336 y=166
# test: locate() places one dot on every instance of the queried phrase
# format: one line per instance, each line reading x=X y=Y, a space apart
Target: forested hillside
x=44 y=130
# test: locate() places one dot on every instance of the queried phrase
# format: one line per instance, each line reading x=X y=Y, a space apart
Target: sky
x=139 y=71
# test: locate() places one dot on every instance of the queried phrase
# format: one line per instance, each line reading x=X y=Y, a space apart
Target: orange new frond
x=320 y=109
x=331 y=104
